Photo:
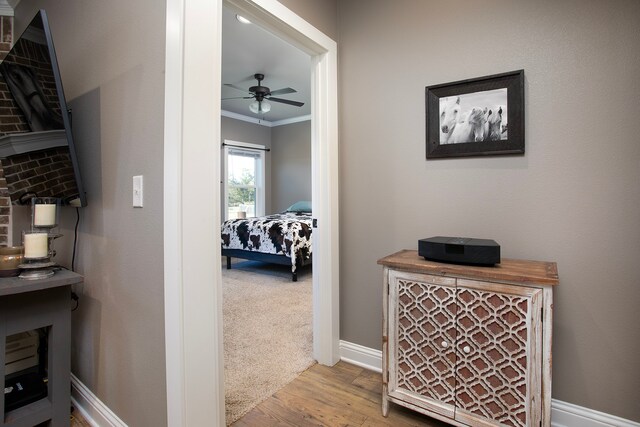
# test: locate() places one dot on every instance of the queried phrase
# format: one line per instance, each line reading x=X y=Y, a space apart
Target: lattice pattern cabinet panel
x=425 y=357
x=497 y=341
x=468 y=345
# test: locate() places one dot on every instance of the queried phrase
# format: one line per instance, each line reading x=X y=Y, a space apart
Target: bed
x=283 y=238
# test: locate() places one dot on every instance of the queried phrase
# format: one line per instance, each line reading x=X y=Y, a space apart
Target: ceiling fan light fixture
x=260 y=107
x=242 y=19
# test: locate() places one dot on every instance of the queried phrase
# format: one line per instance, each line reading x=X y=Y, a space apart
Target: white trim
x=266 y=123
x=362 y=356
x=291 y=120
x=232 y=115
x=192 y=283
x=173 y=295
x=563 y=414
x=94 y=411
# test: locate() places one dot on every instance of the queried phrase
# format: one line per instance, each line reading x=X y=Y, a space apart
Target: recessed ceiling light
x=243 y=19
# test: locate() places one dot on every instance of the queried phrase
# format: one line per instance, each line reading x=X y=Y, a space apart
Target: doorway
x=192 y=283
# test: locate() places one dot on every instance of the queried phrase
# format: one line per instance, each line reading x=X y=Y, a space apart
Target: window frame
x=259 y=185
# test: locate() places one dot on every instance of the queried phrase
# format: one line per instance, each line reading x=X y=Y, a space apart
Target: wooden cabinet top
x=16 y=285
x=509 y=270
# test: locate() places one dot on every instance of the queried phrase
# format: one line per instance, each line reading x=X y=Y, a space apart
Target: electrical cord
x=75 y=240
x=75 y=296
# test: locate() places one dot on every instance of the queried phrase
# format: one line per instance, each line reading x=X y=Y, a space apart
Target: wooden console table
x=32 y=304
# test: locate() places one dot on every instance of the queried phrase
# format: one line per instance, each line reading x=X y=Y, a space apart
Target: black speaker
x=460 y=250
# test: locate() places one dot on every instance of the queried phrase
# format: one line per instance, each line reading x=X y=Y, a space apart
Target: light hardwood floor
x=77 y=420
x=342 y=395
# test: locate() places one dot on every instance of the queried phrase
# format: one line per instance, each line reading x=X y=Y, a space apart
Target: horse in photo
x=449 y=116
x=472 y=128
x=494 y=124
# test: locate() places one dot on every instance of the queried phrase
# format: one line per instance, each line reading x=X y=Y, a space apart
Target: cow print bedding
x=287 y=233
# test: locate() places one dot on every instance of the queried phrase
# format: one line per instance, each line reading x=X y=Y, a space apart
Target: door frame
x=192 y=282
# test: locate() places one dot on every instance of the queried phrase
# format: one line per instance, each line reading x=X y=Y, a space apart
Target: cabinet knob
x=466 y=349
x=444 y=344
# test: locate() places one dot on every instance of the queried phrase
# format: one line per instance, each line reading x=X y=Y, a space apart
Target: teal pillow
x=300 y=207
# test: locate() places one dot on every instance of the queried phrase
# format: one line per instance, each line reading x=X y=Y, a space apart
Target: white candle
x=44 y=215
x=36 y=245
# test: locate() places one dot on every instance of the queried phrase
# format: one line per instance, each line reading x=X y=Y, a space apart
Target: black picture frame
x=506 y=138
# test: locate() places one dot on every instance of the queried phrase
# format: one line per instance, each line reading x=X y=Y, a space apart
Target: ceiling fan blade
x=238 y=97
x=237 y=87
x=283 y=91
x=286 y=101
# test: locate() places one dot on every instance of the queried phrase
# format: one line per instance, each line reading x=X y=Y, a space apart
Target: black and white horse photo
x=474 y=117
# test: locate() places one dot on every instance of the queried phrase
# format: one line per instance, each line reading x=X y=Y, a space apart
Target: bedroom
x=267 y=237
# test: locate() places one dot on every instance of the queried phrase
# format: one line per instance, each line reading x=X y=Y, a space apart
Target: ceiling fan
x=261 y=94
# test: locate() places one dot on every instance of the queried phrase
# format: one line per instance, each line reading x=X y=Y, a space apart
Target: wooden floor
x=77 y=420
x=342 y=395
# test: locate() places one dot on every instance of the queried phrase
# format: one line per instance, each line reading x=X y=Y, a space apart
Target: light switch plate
x=138 y=191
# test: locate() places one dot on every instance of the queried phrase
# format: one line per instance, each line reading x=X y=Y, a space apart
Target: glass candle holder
x=36 y=244
x=45 y=212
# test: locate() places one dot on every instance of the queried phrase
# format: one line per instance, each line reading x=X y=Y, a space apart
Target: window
x=244 y=180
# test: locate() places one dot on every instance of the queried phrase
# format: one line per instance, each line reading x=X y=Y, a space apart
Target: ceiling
x=248 y=49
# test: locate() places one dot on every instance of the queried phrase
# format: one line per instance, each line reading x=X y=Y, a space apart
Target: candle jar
x=45 y=212
x=36 y=245
x=37 y=255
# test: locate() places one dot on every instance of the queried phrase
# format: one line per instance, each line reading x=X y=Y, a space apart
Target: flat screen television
x=37 y=153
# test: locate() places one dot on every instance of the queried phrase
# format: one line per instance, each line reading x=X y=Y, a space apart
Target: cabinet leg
x=385 y=401
x=228 y=263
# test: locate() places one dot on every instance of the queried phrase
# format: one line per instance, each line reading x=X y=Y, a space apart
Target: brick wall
x=47 y=173
x=6 y=38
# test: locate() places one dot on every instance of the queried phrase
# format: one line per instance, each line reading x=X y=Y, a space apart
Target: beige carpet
x=267 y=332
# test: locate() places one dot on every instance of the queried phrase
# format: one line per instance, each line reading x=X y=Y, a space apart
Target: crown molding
x=291 y=120
x=265 y=123
x=244 y=118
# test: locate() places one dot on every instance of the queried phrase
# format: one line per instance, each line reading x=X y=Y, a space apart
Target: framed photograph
x=476 y=117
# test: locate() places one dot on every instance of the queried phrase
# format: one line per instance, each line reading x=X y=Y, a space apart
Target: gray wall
x=241 y=131
x=111 y=57
x=290 y=164
x=322 y=14
x=572 y=198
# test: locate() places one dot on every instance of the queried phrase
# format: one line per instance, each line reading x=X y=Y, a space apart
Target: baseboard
x=92 y=409
x=563 y=414
x=358 y=355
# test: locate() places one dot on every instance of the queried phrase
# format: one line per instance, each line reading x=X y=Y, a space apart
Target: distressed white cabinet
x=468 y=345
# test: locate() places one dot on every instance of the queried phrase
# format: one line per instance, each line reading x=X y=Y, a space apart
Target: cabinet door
x=422 y=334
x=499 y=342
